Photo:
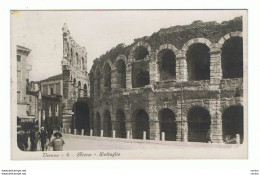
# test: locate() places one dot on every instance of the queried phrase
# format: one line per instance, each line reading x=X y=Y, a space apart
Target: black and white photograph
x=122 y=84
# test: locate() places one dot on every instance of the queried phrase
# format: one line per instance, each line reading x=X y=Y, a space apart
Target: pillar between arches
x=154 y=74
x=216 y=121
x=154 y=129
x=215 y=66
x=128 y=76
x=181 y=67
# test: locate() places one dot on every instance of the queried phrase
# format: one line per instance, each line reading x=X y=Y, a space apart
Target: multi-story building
x=51 y=98
x=23 y=107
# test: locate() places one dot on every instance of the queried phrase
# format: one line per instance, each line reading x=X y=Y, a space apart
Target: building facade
x=185 y=81
x=51 y=102
x=24 y=106
x=75 y=101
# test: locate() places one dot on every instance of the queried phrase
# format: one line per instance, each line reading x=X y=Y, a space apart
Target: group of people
x=43 y=137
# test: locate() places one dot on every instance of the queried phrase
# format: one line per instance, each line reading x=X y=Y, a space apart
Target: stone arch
x=166 y=59
x=121 y=57
x=141 y=123
x=140 y=51
x=167 y=46
x=233 y=123
x=232 y=55
x=168 y=123
x=205 y=41
x=120 y=124
x=97 y=81
x=107 y=75
x=199 y=123
x=107 y=124
x=51 y=90
x=198 y=58
x=120 y=65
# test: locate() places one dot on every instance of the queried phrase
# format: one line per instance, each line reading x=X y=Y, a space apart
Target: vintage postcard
x=129 y=84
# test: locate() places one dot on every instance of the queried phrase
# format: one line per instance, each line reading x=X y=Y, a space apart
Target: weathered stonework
x=75 y=76
x=208 y=97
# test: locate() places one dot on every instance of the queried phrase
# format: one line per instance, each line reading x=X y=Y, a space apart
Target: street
x=77 y=142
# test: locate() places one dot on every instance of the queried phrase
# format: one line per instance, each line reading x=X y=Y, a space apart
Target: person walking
x=57 y=143
x=33 y=140
x=20 y=142
x=43 y=138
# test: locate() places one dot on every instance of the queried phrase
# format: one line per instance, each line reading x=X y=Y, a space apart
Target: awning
x=21 y=112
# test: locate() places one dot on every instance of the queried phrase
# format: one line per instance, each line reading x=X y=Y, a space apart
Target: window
x=30 y=98
x=51 y=91
x=18 y=57
x=45 y=90
x=18 y=96
x=57 y=88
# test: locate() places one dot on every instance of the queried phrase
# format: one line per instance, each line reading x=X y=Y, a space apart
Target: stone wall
x=179 y=94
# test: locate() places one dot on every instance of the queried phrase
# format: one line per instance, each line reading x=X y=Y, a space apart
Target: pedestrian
x=20 y=140
x=33 y=140
x=43 y=138
x=25 y=140
x=57 y=143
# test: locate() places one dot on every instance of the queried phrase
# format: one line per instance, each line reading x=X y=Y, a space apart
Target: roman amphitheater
x=184 y=81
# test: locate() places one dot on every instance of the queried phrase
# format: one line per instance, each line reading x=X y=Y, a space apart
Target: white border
x=131 y=167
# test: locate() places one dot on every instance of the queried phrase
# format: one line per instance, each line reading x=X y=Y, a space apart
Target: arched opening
x=79 y=89
x=121 y=70
x=120 y=119
x=77 y=59
x=82 y=117
x=233 y=123
x=168 y=124
x=232 y=58
x=91 y=87
x=141 y=120
x=199 y=122
x=167 y=64
x=85 y=90
x=140 y=53
x=140 y=78
x=97 y=82
x=74 y=81
x=51 y=90
x=82 y=63
x=107 y=124
x=71 y=54
x=98 y=126
x=198 y=62
x=107 y=76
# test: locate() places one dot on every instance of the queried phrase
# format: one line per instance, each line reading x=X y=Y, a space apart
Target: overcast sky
x=98 y=31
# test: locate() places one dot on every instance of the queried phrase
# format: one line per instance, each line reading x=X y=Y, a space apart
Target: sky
x=97 y=31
